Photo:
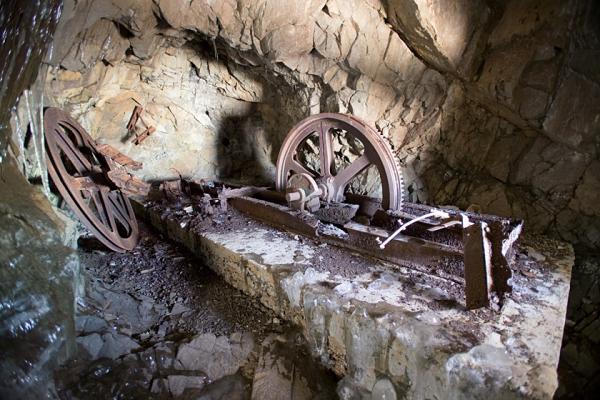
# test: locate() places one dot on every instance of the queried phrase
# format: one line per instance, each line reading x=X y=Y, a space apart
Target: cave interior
x=481 y=105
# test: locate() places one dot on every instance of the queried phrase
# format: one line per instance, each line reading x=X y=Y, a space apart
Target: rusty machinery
x=311 y=198
x=471 y=249
x=87 y=180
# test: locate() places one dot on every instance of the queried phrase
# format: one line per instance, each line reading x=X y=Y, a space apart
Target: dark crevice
x=124 y=31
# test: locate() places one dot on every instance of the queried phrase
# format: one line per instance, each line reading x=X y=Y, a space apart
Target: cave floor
x=156 y=323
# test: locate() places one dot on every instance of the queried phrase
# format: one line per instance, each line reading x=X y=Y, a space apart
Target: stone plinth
x=389 y=331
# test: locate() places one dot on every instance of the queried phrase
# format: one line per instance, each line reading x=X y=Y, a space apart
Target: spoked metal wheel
x=79 y=172
x=376 y=152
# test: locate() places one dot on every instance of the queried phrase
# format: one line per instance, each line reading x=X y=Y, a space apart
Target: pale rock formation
x=485 y=102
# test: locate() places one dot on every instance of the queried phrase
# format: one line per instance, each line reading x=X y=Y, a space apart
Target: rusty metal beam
x=144 y=135
x=411 y=252
x=118 y=157
x=130 y=184
x=276 y=215
x=478 y=268
x=135 y=115
x=422 y=255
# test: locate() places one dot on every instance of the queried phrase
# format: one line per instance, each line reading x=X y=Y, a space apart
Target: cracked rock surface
x=485 y=102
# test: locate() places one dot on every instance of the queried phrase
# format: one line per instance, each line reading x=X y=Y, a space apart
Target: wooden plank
x=135 y=115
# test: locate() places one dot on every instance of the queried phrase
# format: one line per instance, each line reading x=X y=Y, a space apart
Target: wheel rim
x=79 y=172
x=377 y=152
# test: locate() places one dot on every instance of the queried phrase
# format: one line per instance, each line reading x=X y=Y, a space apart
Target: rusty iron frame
x=483 y=246
x=136 y=116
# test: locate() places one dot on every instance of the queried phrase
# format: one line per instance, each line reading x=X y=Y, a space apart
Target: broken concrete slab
x=390 y=322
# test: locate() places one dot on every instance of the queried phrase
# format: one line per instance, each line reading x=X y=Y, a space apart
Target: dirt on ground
x=155 y=323
x=171 y=276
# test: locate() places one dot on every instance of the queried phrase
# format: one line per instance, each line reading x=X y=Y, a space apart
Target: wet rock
x=178 y=384
x=92 y=343
x=148 y=359
x=276 y=378
x=87 y=324
x=165 y=355
x=215 y=356
x=231 y=387
x=116 y=345
x=40 y=280
x=159 y=386
x=283 y=372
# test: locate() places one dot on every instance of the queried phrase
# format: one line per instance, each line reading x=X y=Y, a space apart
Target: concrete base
x=389 y=331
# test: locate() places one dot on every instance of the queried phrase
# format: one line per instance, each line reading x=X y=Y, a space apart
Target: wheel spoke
x=356 y=167
x=301 y=169
x=119 y=209
x=104 y=191
x=100 y=206
x=376 y=153
x=325 y=149
x=79 y=161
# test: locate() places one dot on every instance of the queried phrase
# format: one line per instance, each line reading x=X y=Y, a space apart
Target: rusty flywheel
x=332 y=184
x=80 y=173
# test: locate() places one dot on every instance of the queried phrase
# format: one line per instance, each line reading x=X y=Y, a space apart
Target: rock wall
x=486 y=102
x=39 y=276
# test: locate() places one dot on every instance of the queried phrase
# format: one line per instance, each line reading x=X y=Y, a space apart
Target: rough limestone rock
x=92 y=344
x=449 y=46
x=116 y=345
x=474 y=95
